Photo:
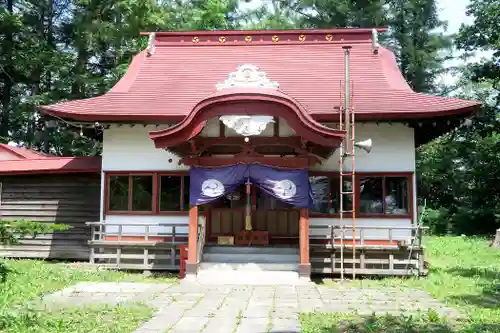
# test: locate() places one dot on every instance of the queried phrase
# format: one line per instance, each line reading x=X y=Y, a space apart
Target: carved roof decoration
x=248 y=76
x=179 y=70
x=246 y=125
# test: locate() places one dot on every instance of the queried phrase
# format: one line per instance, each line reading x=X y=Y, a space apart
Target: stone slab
x=188 y=307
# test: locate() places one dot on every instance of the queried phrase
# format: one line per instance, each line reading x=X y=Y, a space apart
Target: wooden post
x=305 y=265
x=193 y=234
x=192 y=262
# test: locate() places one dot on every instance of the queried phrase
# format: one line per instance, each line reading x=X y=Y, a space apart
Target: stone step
x=250 y=250
x=214 y=277
x=247 y=267
x=250 y=258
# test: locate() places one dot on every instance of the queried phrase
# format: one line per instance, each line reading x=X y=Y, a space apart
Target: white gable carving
x=247 y=125
x=248 y=76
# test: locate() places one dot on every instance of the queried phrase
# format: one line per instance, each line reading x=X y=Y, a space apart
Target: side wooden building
x=49 y=189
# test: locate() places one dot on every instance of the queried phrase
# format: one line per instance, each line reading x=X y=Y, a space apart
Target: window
x=170 y=193
x=174 y=193
x=148 y=193
x=387 y=195
x=131 y=193
x=376 y=195
x=397 y=200
x=142 y=193
x=326 y=194
x=118 y=193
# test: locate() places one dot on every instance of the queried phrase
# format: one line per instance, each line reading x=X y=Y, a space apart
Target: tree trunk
x=496 y=241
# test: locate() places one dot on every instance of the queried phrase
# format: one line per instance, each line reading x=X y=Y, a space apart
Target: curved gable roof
x=308 y=65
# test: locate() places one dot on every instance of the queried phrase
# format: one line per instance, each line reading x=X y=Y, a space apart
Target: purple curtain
x=209 y=184
x=288 y=185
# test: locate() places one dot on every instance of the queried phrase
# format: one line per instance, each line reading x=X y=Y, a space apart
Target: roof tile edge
x=259 y=37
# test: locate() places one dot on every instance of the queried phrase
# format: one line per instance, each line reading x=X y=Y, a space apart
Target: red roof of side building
x=32 y=162
x=308 y=65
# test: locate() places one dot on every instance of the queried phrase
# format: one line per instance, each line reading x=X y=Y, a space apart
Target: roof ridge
x=264 y=32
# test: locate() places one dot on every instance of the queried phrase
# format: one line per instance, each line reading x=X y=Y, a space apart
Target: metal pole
x=349 y=146
x=347 y=99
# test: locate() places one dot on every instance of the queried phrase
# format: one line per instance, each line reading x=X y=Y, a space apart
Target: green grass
x=464 y=274
x=99 y=318
x=29 y=279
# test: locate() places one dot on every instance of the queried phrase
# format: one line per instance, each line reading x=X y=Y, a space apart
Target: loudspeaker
x=365 y=145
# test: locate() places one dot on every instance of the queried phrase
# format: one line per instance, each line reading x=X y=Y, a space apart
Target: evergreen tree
x=460 y=172
x=418 y=40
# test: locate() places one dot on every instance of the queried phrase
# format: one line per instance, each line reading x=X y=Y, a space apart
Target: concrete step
x=250 y=258
x=250 y=250
x=243 y=267
x=214 y=277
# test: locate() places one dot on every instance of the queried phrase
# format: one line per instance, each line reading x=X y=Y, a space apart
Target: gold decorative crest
x=329 y=37
x=302 y=38
x=248 y=39
x=275 y=39
x=196 y=39
x=222 y=39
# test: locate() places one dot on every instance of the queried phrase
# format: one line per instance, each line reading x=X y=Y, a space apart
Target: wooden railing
x=137 y=245
x=392 y=250
x=341 y=235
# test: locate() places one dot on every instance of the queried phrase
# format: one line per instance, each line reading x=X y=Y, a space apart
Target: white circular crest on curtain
x=212 y=188
x=285 y=189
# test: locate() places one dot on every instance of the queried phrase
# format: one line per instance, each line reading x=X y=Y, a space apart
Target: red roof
x=32 y=162
x=22 y=152
x=307 y=64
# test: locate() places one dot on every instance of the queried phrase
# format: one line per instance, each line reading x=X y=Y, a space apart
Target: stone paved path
x=188 y=307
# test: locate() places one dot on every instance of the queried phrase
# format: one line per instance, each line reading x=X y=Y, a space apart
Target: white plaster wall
x=128 y=148
x=211 y=129
x=285 y=129
x=393 y=150
x=369 y=234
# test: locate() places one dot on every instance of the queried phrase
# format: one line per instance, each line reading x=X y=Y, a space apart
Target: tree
x=55 y=50
x=459 y=172
x=415 y=37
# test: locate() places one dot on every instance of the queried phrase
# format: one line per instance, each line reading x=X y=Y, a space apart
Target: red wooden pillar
x=192 y=264
x=305 y=265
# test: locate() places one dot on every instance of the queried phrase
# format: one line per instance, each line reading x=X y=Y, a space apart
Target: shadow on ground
x=489 y=297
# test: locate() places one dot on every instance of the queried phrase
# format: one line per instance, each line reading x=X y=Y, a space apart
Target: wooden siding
x=283 y=223
x=67 y=199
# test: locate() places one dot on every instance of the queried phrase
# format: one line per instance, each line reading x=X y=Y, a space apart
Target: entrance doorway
x=226 y=216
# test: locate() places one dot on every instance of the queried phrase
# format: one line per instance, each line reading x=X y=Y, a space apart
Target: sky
x=452 y=11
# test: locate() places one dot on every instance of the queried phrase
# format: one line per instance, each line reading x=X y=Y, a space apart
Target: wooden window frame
x=182 y=212
x=155 y=193
x=356 y=185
